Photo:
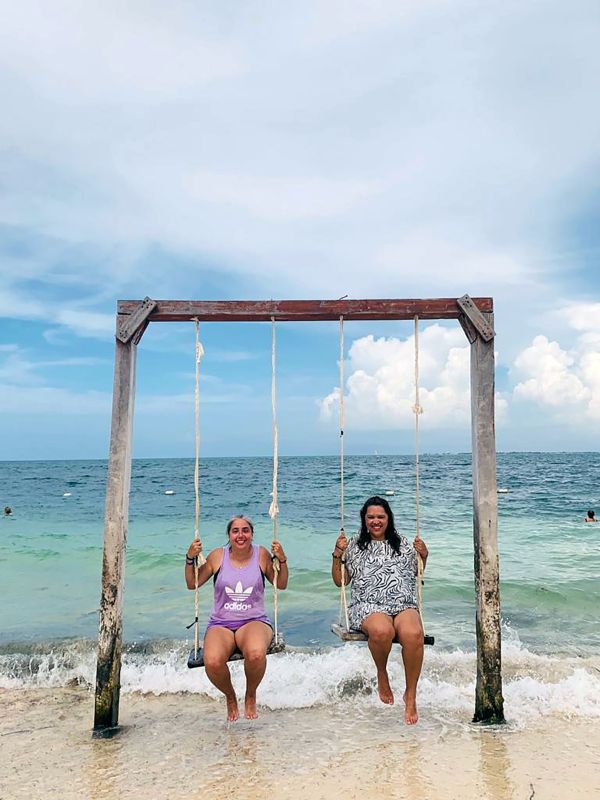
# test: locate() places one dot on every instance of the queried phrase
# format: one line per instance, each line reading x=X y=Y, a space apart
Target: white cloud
x=553 y=380
x=583 y=316
x=426 y=141
x=281 y=198
x=370 y=149
x=14 y=305
x=231 y=356
x=124 y=53
x=75 y=361
x=380 y=391
x=462 y=265
x=25 y=389
x=22 y=400
x=84 y=323
x=27 y=398
x=565 y=380
x=17 y=369
x=180 y=403
x=87 y=323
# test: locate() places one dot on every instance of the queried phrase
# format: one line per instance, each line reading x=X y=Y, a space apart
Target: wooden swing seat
x=197 y=659
x=350 y=635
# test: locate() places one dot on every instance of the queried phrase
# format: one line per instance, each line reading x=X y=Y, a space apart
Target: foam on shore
x=534 y=685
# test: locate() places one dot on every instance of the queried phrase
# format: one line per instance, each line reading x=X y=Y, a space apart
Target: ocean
x=51 y=555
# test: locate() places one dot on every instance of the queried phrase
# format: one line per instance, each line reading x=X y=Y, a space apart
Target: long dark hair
x=391 y=534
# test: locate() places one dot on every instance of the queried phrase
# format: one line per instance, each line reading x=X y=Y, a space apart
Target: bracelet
x=191 y=562
x=282 y=562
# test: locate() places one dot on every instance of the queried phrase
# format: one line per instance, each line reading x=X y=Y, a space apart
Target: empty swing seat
x=197 y=659
x=350 y=635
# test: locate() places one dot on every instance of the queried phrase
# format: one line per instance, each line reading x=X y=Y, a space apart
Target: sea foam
x=534 y=685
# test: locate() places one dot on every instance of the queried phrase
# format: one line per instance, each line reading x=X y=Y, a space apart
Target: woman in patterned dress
x=381 y=565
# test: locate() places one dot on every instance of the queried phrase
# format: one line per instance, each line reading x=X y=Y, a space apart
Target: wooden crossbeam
x=302 y=310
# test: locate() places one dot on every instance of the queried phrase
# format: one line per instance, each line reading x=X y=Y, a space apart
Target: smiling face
x=240 y=535
x=376 y=521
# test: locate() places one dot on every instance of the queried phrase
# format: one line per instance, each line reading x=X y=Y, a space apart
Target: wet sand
x=179 y=746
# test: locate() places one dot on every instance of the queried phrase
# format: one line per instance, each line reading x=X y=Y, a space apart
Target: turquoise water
x=51 y=548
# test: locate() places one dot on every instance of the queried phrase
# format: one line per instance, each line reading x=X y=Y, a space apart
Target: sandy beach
x=178 y=746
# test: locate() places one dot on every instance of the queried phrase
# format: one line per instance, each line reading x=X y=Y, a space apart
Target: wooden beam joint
x=468 y=328
x=473 y=320
x=132 y=326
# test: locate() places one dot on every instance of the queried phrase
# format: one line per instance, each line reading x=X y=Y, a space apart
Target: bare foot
x=385 y=690
x=250 y=711
x=233 y=711
x=411 y=715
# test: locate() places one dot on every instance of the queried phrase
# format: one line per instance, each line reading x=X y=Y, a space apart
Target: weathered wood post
x=489 y=703
x=116 y=514
x=116 y=517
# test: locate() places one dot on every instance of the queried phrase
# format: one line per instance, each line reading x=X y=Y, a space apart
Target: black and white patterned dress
x=382 y=580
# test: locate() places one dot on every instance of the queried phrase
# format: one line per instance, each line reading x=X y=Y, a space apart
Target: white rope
x=199 y=352
x=418 y=410
x=274 y=507
x=342 y=423
x=343 y=599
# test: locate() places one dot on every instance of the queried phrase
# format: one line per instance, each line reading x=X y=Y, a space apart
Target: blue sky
x=269 y=150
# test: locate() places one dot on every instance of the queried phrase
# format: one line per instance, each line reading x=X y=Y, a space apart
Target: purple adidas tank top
x=239 y=594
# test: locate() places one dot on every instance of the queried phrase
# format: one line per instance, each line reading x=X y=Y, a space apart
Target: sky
x=257 y=150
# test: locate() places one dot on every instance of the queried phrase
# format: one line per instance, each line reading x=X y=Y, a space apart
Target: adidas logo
x=239 y=594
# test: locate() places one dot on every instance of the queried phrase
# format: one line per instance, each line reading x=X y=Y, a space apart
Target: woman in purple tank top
x=238 y=620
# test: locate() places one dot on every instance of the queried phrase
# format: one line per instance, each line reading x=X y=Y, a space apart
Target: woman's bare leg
x=253 y=639
x=380 y=630
x=219 y=644
x=410 y=635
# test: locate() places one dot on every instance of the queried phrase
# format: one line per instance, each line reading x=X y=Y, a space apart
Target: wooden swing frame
x=476 y=318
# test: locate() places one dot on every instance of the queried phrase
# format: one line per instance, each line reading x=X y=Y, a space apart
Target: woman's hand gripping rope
x=341 y=543
x=195 y=549
x=278 y=553
x=339 y=574
x=421 y=548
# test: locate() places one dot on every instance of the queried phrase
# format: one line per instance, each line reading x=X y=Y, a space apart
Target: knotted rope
x=343 y=599
x=418 y=410
x=199 y=352
x=274 y=507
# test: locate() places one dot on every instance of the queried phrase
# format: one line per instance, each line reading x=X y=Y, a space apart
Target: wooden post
x=108 y=669
x=489 y=703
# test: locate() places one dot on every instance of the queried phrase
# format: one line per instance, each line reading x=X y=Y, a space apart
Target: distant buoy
x=169 y=491
x=389 y=492
x=503 y=491
x=67 y=494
